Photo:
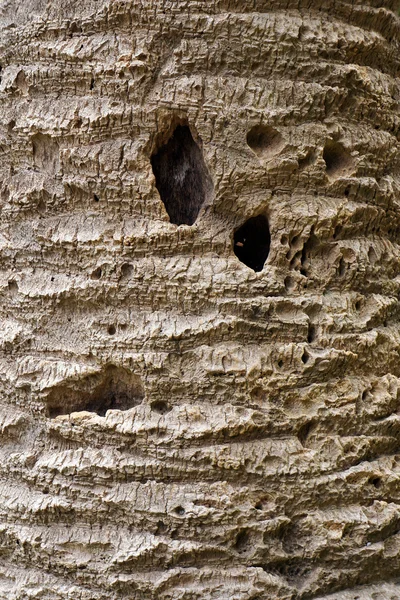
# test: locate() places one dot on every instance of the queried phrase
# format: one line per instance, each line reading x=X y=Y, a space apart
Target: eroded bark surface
x=234 y=383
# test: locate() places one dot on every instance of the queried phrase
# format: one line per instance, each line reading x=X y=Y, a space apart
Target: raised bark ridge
x=251 y=366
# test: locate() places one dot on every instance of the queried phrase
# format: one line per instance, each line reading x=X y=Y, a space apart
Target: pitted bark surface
x=235 y=432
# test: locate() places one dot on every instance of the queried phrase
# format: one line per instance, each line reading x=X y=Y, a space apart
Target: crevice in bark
x=115 y=388
x=242 y=542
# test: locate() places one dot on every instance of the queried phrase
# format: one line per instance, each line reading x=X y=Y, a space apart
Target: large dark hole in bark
x=252 y=242
x=182 y=179
x=114 y=388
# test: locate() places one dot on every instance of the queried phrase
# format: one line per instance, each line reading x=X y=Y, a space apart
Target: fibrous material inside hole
x=252 y=242
x=338 y=160
x=114 y=388
x=264 y=140
x=182 y=178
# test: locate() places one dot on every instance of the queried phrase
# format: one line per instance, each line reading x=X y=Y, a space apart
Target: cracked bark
x=235 y=382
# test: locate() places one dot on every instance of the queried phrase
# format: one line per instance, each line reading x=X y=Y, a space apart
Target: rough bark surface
x=174 y=423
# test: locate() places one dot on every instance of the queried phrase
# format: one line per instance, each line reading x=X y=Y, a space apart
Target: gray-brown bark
x=176 y=424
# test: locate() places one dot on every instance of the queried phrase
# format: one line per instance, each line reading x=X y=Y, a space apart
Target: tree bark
x=199 y=278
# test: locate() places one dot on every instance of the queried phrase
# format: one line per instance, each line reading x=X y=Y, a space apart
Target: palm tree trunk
x=200 y=273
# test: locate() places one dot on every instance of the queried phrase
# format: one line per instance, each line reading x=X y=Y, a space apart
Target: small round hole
x=96 y=198
x=265 y=141
x=160 y=407
x=111 y=329
x=375 y=481
x=179 y=510
x=97 y=273
x=126 y=270
x=161 y=528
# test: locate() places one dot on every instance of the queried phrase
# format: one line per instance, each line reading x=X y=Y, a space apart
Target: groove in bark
x=113 y=389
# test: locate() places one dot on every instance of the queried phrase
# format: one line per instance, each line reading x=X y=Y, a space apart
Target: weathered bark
x=200 y=400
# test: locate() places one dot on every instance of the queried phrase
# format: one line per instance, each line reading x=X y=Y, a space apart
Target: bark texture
x=199 y=279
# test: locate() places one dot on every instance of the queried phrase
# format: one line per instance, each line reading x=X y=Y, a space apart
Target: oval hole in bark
x=338 y=160
x=252 y=242
x=97 y=273
x=305 y=357
x=264 y=140
x=126 y=270
x=375 y=481
x=182 y=178
x=160 y=407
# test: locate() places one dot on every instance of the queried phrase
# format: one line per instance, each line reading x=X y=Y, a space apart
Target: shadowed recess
x=46 y=154
x=338 y=160
x=182 y=179
x=114 y=388
x=252 y=242
x=265 y=141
